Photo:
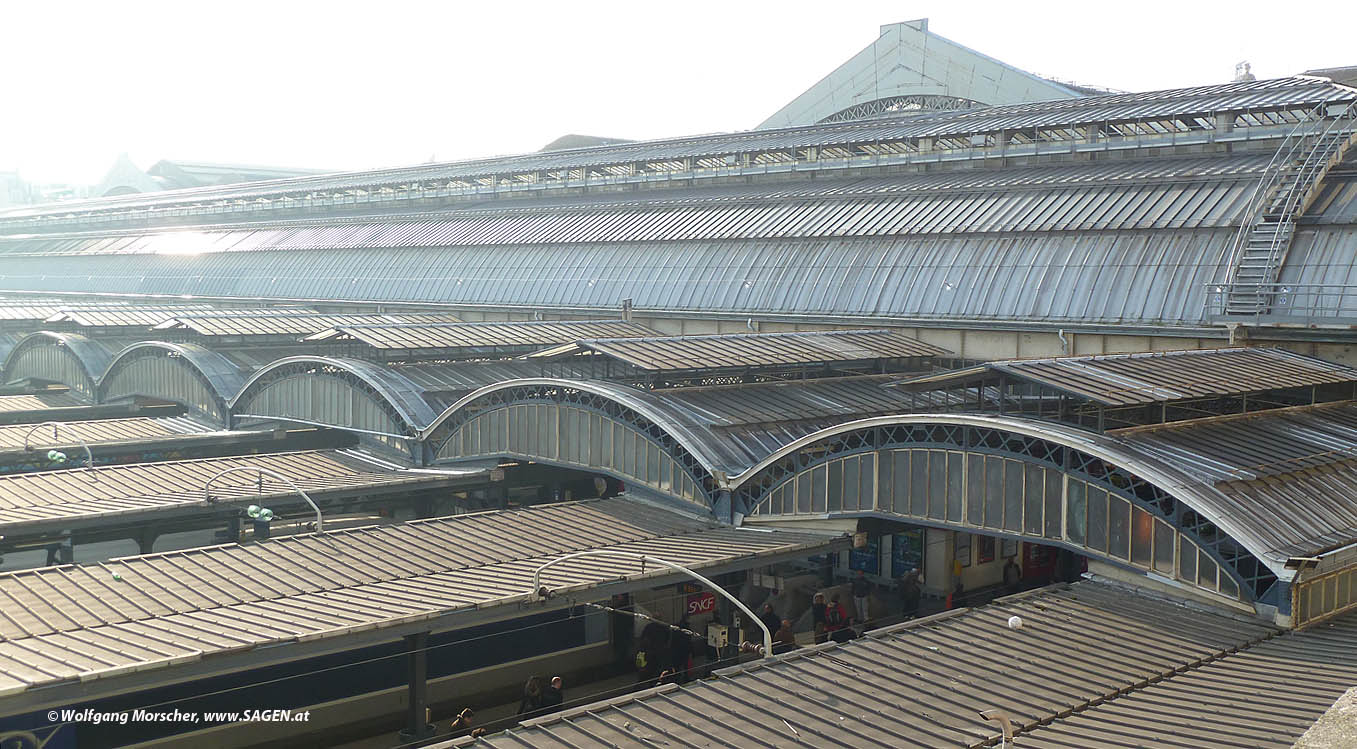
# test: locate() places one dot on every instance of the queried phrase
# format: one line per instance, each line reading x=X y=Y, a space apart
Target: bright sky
x=346 y=85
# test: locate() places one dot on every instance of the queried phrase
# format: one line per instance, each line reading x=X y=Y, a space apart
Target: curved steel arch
x=1184 y=494
x=219 y=376
x=92 y=359
x=698 y=442
x=401 y=396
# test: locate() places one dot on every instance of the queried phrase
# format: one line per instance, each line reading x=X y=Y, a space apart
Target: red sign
x=702 y=603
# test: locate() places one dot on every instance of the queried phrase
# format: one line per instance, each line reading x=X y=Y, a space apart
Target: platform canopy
x=1091 y=656
x=164 y=618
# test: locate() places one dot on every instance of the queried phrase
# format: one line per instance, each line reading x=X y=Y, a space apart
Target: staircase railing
x=1286 y=153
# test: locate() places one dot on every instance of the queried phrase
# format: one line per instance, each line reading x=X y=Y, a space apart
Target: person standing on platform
x=818 y=607
x=836 y=621
x=532 y=696
x=1012 y=576
x=910 y=593
x=770 y=619
x=862 y=591
x=553 y=696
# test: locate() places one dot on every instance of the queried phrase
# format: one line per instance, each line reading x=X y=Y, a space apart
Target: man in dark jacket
x=862 y=589
x=553 y=695
x=770 y=620
x=910 y=593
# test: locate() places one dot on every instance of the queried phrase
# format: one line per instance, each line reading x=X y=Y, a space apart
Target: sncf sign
x=702 y=603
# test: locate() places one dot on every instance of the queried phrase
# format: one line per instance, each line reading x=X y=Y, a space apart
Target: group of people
x=540 y=698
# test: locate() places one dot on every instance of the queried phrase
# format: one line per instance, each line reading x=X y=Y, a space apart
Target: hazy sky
x=346 y=85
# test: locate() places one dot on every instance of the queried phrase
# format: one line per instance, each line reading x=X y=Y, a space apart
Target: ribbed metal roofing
x=1203 y=102
x=287 y=323
x=96 y=432
x=1133 y=379
x=1182 y=193
x=38 y=402
x=755 y=349
x=1288 y=475
x=482 y=335
x=923 y=683
x=1264 y=697
x=200 y=606
x=123 y=491
x=127 y=315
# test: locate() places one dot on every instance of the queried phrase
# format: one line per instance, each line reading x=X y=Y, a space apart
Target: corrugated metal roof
x=1204 y=102
x=755 y=349
x=1264 y=697
x=142 y=488
x=95 y=432
x=923 y=683
x=482 y=335
x=1111 y=277
x=287 y=323
x=1134 y=379
x=1288 y=475
x=1183 y=193
x=124 y=315
x=38 y=402
x=166 y=609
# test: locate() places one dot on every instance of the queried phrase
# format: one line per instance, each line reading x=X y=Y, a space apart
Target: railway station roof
x=286 y=323
x=1083 y=649
x=1138 y=379
x=752 y=350
x=176 y=616
x=74 y=498
x=481 y=336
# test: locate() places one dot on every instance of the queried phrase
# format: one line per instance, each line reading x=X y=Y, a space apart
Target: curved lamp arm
x=56 y=427
x=545 y=593
x=207 y=487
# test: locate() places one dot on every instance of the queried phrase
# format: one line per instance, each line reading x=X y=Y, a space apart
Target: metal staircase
x=1290 y=182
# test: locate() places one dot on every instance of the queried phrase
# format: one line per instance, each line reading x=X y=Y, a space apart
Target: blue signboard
x=868 y=558
x=907 y=552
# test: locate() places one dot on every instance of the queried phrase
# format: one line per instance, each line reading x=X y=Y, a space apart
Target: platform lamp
x=257 y=513
x=58 y=457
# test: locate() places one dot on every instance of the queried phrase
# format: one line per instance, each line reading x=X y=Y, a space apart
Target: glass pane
x=629 y=453
x=596 y=428
x=1055 y=489
x=975 y=489
x=994 y=492
x=1118 y=527
x=1206 y=571
x=1034 y=496
x=1142 y=533
x=1228 y=586
x=1164 y=541
x=902 y=478
x=852 y=482
x=666 y=483
x=1075 y=523
x=619 y=436
x=835 y=488
x=866 y=485
x=803 y=492
x=1187 y=560
x=1012 y=495
x=885 y=482
x=653 y=465
x=1097 y=519
x=918 y=482
x=817 y=489
x=937 y=484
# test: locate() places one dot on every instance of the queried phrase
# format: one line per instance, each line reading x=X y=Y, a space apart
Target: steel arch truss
x=551 y=422
x=68 y=358
x=195 y=377
x=960 y=495
x=385 y=413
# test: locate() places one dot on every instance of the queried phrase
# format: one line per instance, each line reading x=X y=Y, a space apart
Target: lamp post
x=56 y=427
x=207 y=487
x=542 y=591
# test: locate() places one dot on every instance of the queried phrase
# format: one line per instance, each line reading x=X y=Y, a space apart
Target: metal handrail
x=1309 y=167
x=56 y=425
x=207 y=487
